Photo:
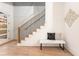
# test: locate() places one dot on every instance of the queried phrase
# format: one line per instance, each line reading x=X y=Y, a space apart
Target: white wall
x=55 y=18
x=7 y=8
x=38 y=8
x=58 y=16
x=72 y=33
x=49 y=17
x=21 y=13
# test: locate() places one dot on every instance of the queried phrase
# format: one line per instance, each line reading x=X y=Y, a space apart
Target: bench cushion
x=53 y=41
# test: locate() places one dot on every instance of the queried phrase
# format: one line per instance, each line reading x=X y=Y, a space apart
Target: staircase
x=30 y=29
x=3 y=26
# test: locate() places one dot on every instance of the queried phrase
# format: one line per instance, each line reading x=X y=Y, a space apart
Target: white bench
x=60 y=42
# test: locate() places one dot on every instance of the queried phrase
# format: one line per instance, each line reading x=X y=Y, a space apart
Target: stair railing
x=30 y=22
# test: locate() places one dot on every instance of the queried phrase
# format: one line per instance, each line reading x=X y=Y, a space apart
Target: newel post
x=19 y=40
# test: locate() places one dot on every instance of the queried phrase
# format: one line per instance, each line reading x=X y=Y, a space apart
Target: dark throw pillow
x=51 y=36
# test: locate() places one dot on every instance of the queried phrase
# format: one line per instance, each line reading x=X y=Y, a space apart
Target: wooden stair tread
x=3 y=28
x=3 y=34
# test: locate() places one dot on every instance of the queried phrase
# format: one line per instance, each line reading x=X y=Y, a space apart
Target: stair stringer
x=34 y=40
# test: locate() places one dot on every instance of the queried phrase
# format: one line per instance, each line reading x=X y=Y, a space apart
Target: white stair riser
x=33 y=39
x=34 y=32
x=37 y=30
x=30 y=35
x=41 y=27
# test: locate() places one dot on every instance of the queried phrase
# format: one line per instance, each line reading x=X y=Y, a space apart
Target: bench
x=60 y=42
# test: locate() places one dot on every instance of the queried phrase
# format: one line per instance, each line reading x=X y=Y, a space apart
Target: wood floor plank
x=11 y=49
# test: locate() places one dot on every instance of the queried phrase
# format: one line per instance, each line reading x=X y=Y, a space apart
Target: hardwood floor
x=11 y=49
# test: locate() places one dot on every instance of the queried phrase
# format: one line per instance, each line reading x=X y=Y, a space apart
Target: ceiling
x=29 y=3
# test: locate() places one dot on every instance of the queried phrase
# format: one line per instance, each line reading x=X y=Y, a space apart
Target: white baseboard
x=74 y=53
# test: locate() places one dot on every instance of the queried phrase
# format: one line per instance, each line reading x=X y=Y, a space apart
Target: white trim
x=72 y=51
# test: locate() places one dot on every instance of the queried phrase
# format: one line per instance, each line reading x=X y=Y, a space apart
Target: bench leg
x=41 y=46
x=62 y=47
